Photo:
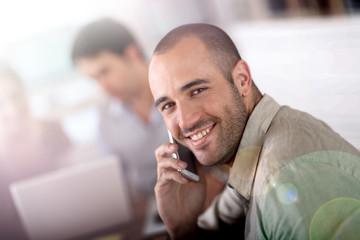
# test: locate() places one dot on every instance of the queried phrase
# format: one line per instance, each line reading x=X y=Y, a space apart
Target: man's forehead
x=92 y=64
x=185 y=60
x=187 y=50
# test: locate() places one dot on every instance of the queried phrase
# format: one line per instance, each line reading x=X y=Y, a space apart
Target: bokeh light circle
x=287 y=193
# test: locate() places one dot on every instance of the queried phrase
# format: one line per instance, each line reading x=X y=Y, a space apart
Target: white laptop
x=73 y=201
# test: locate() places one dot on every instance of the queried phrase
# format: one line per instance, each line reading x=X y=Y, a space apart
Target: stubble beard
x=231 y=126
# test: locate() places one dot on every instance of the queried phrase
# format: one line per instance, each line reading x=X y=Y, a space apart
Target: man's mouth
x=199 y=138
x=200 y=134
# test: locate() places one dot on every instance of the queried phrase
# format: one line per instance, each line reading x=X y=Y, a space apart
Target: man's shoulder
x=111 y=109
x=290 y=123
x=294 y=134
x=305 y=170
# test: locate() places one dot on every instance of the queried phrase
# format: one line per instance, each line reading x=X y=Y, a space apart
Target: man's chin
x=205 y=159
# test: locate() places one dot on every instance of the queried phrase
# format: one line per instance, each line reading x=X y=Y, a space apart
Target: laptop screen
x=73 y=201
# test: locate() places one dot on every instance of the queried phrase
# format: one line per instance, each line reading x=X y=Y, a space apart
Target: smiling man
x=288 y=169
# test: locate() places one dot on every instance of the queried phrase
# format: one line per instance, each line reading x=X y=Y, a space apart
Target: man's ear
x=132 y=52
x=242 y=78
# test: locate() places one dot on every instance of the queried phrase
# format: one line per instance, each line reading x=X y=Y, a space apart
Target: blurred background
x=305 y=53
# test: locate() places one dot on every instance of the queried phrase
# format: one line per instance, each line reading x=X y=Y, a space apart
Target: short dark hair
x=219 y=44
x=102 y=35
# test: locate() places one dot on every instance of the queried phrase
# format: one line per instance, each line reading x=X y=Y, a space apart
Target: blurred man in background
x=28 y=147
x=130 y=126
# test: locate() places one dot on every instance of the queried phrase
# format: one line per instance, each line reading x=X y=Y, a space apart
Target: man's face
x=113 y=72
x=200 y=107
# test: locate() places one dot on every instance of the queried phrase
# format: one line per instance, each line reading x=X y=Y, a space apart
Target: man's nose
x=188 y=115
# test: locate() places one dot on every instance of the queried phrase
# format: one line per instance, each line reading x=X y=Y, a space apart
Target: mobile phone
x=184 y=154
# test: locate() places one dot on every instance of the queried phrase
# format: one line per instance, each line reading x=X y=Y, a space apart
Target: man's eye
x=167 y=106
x=197 y=91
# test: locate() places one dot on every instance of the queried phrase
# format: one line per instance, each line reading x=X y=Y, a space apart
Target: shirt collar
x=243 y=170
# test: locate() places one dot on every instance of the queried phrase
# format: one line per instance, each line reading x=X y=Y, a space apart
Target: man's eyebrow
x=193 y=83
x=182 y=89
x=160 y=100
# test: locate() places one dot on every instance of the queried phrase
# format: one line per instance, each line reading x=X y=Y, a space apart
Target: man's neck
x=254 y=100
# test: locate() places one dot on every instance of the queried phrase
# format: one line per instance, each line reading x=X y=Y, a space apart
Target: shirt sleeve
x=229 y=208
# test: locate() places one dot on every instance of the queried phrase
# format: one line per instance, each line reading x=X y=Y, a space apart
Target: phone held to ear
x=184 y=154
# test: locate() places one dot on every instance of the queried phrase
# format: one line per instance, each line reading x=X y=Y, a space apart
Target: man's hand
x=179 y=200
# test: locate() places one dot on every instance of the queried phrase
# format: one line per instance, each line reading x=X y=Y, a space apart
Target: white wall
x=310 y=64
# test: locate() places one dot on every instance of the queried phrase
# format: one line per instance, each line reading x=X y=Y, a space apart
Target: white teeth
x=200 y=135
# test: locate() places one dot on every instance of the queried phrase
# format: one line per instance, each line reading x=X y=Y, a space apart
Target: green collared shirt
x=293 y=177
